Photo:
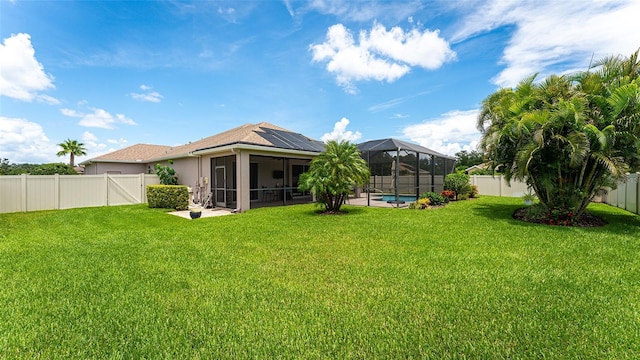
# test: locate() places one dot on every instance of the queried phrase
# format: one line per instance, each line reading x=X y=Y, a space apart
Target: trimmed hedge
x=168 y=196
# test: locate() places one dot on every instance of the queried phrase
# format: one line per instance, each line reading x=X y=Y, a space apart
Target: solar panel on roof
x=289 y=140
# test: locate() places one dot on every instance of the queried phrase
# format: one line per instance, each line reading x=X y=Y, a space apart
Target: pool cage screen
x=404 y=170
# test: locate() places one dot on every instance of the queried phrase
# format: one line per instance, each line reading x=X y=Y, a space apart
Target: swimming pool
x=405 y=198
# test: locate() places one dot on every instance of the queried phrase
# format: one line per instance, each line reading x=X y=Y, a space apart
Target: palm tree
x=73 y=148
x=566 y=136
x=333 y=173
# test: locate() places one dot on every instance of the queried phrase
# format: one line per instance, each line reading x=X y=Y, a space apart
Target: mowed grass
x=464 y=281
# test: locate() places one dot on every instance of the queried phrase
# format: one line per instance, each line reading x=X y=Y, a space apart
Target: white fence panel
x=497 y=186
x=41 y=192
x=82 y=191
x=127 y=189
x=626 y=196
x=631 y=195
x=49 y=192
x=11 y=199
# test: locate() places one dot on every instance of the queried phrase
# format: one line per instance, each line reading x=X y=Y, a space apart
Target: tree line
x=69 y=147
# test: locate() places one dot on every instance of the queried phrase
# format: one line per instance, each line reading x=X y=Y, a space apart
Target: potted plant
x=528 y=198
x=195 y=213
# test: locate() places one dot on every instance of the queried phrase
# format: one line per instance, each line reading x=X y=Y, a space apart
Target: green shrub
x=458 y=183
x=168 y=196
x=474 y=191
x=435 y=199
x=167 y=174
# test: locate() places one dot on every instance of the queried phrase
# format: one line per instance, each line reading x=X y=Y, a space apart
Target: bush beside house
x=168 y=197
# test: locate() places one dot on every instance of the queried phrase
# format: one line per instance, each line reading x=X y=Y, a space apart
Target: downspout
x=369 y=182
x=397 y=175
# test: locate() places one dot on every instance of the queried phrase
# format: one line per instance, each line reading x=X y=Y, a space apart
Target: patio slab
x=205 y=213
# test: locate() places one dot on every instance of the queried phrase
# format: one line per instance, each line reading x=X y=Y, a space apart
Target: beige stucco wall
x=115 y=168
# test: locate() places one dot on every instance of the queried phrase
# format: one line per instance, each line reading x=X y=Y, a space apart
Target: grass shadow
x=620 y=221
x=497 y=212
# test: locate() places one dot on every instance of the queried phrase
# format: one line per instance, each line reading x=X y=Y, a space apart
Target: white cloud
x=46 y=99
x=381 y=54
x=23 y=141
x=450 y=133
x=96 y=148
x=399 y=116
x=99 y=118
x=22 y=77
x=556 y=36
x=290 y=10
x=148 y=95
x=340 y=132
x=366 y=10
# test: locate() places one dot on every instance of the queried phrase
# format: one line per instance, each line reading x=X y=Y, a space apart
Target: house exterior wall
x=186 y=169
x=116 y=168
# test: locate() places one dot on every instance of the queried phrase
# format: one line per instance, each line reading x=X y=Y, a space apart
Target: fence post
x=23 y=186
x=638 y=193
x=106 y=182
x=141 y=177
x=56 y=193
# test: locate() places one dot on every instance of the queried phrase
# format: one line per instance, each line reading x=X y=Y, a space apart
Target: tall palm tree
x=73 y=148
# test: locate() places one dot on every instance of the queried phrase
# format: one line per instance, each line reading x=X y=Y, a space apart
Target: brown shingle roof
x=137 y=152
x=247 y=134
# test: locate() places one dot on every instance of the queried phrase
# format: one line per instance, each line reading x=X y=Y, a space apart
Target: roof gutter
x=97 y=161
x=242 y=146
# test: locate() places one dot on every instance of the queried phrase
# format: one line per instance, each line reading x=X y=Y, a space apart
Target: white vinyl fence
x=497 y=186
x=51 y=192
x=626 y=196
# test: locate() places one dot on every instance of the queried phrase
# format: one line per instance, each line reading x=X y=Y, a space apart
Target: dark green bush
x=168 y=196
x=435 y=199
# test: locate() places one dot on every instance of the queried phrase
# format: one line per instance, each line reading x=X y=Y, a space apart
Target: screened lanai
x=401 y=171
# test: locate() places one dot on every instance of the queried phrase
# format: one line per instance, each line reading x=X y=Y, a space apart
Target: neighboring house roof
x=262 y=134
x=475 y=168
x=395 y=144
x=134 y=153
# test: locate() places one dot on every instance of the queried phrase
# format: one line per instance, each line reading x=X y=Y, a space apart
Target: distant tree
x=73 y=148
x=54 y=168
x=35 y=169
x=4 y=166
x=467 y=159
x=7 y=168
x=333 y=173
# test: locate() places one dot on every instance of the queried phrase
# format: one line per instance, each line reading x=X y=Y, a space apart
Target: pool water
x=405 y=198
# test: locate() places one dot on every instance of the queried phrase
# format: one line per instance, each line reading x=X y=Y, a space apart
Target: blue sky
x=113 y=74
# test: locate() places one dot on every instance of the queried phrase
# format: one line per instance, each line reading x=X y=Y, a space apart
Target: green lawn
x=464 y=281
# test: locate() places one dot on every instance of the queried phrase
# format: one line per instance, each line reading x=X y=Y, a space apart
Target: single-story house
x=256 y=165
x=249 y=166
